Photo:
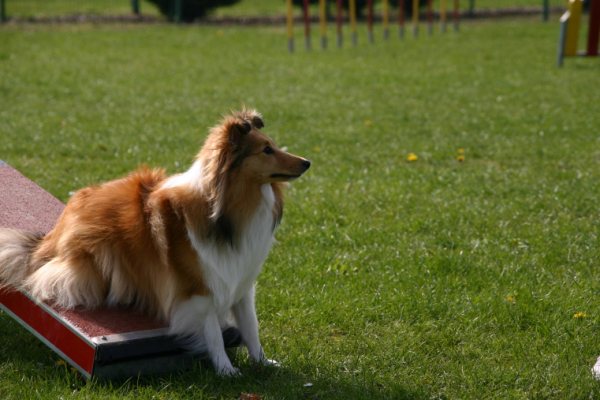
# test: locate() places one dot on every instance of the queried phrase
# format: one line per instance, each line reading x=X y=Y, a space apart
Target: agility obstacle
x=570 y=23
x=351 y=18
x=104 y=343
x=323 y=23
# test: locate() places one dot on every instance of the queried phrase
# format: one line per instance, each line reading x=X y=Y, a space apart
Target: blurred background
x=191 y=10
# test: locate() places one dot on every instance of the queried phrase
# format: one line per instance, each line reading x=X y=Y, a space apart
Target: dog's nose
x=306 y=164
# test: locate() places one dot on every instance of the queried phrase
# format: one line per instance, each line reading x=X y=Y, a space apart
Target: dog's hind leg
x=68 y=283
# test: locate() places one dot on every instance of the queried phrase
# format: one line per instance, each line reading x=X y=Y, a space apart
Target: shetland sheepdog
x=186 y=248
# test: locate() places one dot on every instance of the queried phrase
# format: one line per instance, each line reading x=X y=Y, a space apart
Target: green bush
x=189 y=10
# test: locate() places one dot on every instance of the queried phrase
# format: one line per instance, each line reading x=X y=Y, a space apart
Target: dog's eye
x=268 y=150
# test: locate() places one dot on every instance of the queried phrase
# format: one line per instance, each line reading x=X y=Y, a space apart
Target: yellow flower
x=412 y=157
x=579 y=315
x=368 y=122
x=60 y=363
x=460 y=158
x=460 y=150
x=510 y=299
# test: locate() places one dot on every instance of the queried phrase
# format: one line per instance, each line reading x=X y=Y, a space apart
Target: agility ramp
x=105 y=343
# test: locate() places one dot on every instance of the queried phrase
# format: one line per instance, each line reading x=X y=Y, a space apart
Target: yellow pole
x=290 y=25
x=323 y=23
x=443 y=17
x=386 y=19
x=415 y=17
x=443 y=14
x=573 y=27
x=353 y=21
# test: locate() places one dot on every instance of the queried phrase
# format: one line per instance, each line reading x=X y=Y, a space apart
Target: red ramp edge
x=46 y=325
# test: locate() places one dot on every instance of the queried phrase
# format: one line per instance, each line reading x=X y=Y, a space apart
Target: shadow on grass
x=24 y=355
x=266 y=382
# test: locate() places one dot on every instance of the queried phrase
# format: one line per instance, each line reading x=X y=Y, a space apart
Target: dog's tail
x=16 y=248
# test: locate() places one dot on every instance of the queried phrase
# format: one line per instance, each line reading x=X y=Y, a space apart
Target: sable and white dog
x=186 y=248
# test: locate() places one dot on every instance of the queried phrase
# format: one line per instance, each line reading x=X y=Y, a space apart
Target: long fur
x=15 y=253
x=186 y=249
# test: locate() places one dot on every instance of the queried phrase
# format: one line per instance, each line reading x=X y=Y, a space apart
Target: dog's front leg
x=196 y=321
x=216 y=346
x=244 y=312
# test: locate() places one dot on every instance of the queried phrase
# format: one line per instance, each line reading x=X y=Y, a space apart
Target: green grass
x=252 y=8
x=431 y=279
x=48 y=8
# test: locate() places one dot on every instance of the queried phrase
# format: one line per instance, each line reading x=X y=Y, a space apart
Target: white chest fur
x=230 y=272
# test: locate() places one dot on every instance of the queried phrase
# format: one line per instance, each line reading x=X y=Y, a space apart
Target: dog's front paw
x=229 y=372
x=267 y=362
x=258 y=357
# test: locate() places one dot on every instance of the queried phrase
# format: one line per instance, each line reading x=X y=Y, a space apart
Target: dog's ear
x=238 y=129
x=244 y=127
x=257 y=122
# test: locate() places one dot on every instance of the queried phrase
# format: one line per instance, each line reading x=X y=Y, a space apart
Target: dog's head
x=238 y=145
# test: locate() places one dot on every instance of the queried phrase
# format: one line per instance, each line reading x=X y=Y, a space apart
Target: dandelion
x=412 y=157
x=460 y=158
x=579 y=315
x=510 y=299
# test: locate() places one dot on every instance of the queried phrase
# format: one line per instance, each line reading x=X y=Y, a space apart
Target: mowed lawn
x=435 y=278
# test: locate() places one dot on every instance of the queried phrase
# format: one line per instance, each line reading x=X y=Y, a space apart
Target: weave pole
x=572 y=37
x=401 y=18
x=415 y=17
x=353 y=22
x=443 y=16
x=290 y=24
x=306 y=15
x=430 y=17
x=323 y=23
x=386 y=19
x=594 y=28
x=456 y=15
x=562 y=38
x=370 y=20
x=340 y=21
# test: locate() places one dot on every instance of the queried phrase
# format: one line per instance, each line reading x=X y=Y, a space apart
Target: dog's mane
x=222 y=152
